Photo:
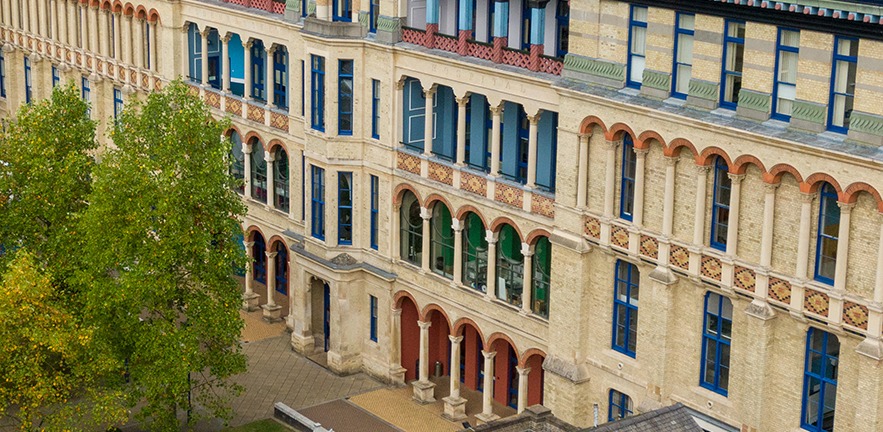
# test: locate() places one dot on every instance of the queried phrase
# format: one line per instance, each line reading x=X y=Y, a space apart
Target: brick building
x=721 y=161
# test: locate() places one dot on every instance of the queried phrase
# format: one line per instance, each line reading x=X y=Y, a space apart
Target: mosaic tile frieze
x=543 y=206
x=508 y=195
x=279 y=121
x=855 y=315
x=816 y=302
x=256 y=114
x=679 y=257
x=593 y=228
x=407 y=162
x=711 y=268
x=473 y=183
x=779 y=290
x=745 y=278
x=649 y=246
x=441 y=173
x=619 y=236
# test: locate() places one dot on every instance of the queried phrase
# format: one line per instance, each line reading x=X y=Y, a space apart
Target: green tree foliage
x=160 y=229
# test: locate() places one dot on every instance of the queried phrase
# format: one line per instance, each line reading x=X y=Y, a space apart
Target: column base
x=424 y=391
x=250 y=302
x=303 y=344
x=272 y=313
x=760 y=309
x=871 y=347
x=486 y=418
x=663 y=275
x=397 y=376
x=455 y=409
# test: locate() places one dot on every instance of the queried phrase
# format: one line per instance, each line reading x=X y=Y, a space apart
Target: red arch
x=642 y=140
x=275 y=142
x=536 y=234
x=498 y=336
x=255 y=229
x=399 y=296
x=462 y=323
x=588 y=124
x=466 y=208
x=229 y=132
x=814 y=181
x=428 y=309
x=525 y=356
x=118 y=8
x=675 y=146
x=128 y=9
x=707 y=154
x=777 y=171
x=499 y=221
x=153 y=16
x=106 y=5
x=434 y=198
x=400 y=190
x=141 y=12
x=617 y=130
x=276 y=238
x=247 y=138
x=741 y=164
x=852 y=191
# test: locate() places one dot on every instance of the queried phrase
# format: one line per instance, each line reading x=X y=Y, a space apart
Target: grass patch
x=265 y=425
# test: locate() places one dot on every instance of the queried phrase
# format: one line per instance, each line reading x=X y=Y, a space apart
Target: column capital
x=462 y=101
x=139 y=19
x=246 y=149
x=613 y=144
x=488 y=355
x=770 y=188
x=272 y=49
x=226 y=38
x=427 y=93
x=736 y=178
x=94 y=7
x=269 y=157
x=703 y=169
x=807 y=197
x=525 y=250
x=523 y=371
x=396 y=312
x=457 y=225
x=248 y=244
x=585 y=134
x=671 y=160
x=425 y=214
x=533 y=119
x=490 y=237
x=496 y=110
x=641 y=152
x=400 y=84
x=271 y=255
x=205 y=32
x=845 y=207
x=455 y=339
x=424 y=325
x=247 y=44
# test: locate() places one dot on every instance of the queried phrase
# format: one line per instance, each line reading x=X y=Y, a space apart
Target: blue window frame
x=117 y=102
x=627 y=185
x=720 y=204
x=2 y=75
x=258 y=73
x=372 y=301
x=637 y=46
x=303 y=8
x=375 y=109
x=525 y=24
x=842 y=84
x=375 y=207
x=827 y=236
x=194 y=47
x=785 y=86
x=626 y=289
x=717 y=330
x=303 y=186
x=318 y=201
x=280 y=78
x=56 y=79
x=345 y=208
x=374 y=15
x=147 y=41
x=317 y=90
x=303 y=87
x=342 y=10
x=86 y=94
x=619 y=405
x=562 y=32
x=345 y=97
x=731 y=66
x=28 y=88
x=491 y=10
x=682 y=69
x=819 y=381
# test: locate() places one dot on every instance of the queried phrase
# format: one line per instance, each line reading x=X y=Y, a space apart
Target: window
x=474 y=253
x=86 y=94
x=2 y=75
x=562 y=21
x=731 y=72
x=375 y=109
x=345 y=208
x=411 y=224
x=842 y=84
x=637 y=46
x=374 y=11
x=303 y=92
x=717 y=329
x=118 y=102
x=525 y=25
x=372 y=301
x=147 y=42
x=318 y=207
x=785 y=87
x=281 y=194
x=237 y=168
x=720 y=205
x=55 y=77
x=626 y=289
x=345 y=98
x=258 y=171
x=683 y=56
x=28 y=88
x=303 y=186
x=375 y=206
x=342 y=10
x=194 y=46
x=820 y=381
x=317 y=108
x=280 y=78
x=258 y=75
x=510 y=266
x=441 y=238
x=542 y=270
x=620 y=406
x=829 y=229
x=627 y=188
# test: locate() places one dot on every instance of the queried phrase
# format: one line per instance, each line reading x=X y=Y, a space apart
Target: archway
x=505 y=374
x=410 y=338
x=259 y=255
x=439 y=343
x=535 y=378
x=471 y=359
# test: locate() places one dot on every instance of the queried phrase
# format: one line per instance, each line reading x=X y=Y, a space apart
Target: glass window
x=620 y=406
x=475 y=258
x=562 y=20
x=720 y=205
x=118 y=104
x=731 y=73
x=56 y=78
x=820 y=381
x=717 y=330
x=259 y=254
x=345 y=98
x=318 y=203
x=342 y=10
x=842 y=84
x=542 y=271
x=375 y=206
x=345 y=208
x=280 y=78
x=785 y=88
x=258 y=75
x=683 y=56
x=637 y=46
x=281 y=194
x=372 y=304
x=828 y=232
x=2 y=75
x=374 y=12
x=626 y=291
x=281 y=263
x=28 y=87
x=317 y=109
x=510 y=266
x=375 y=109
x=237 y=167
x=258 y=172
x=442 y=241
x=627 y=188
x=411 y=230
x=86 y=95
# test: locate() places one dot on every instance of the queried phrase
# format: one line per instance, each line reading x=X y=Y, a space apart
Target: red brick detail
x=619 y=236
x=509 y=195
x=711 y=268
x=473 y=183
x=649 y=247
x=816 y=302
x=462 y=42
x=543 y=206
x=407 y=162
x=536 y=52
x=255 y=113
x=441 y=173
x=429 y=36
x=779 y=290
x=499 y=44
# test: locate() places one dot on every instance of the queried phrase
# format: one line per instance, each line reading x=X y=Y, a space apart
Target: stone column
x=532 y=150
x=835 y=313
x=759 y=307
x=249 y=298
x=583 y=170
x=93 y=29
x=397 y=108
x=34 y=17
x=455 y=406
x=426 y=215
x=269 y=158
x=522 y=387
x=225 y=63
x=699 y=218
x=728 y=260
x=203 y=37
x=152 y=52
x=272 y=311
x=71 y=22
x=268 y=81
x=52 y=17
x=424 y=390
x=662 y=273
x=609 y=190
x=15 y=14
x=127 y=39
x=397 y=372
x=803 y=239
x=487 y=408
x=117 y=37
x=640 y=163
x=429 y=95
x=461 y=129
x=491 y=238
x=496 y=113
x=104 y=29
x=139 y=40
x=246 y=45
x=246 y=150
x=43 y=29
x=61 y=34
x=457 y=226
x=527 y=279
x=872 y=346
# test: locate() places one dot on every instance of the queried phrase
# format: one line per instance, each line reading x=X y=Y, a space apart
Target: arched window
x=717 y=332
x=258 y=171
x=474 y=253
x=237 y=167
x=411 y=229
x=259 y=253
x=542 y=269
x=442 y=241
x=281 y=268
x=720 y=204
x=510 y=266
x=626 y=292
x=619 y=406
x=627 y=188
x=826 y=239
x=281 y=199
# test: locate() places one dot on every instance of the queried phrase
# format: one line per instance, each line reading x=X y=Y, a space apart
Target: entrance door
x=327 y=316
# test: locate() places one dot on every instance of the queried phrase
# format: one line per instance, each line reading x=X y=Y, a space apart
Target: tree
x=160 y=227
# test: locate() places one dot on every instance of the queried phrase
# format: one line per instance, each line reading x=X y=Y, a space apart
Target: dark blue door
x=327 y=317
x=260 y=259
x=513 y=379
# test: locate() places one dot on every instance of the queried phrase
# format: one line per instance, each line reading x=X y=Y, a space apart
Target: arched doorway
x=320 y=314
x=505 y=373
x=471 y=359
x=410 y=338
x=259 y=255
x=535 y=378
x=439 y=342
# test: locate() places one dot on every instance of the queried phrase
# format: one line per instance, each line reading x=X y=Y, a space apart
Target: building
x=721 y=161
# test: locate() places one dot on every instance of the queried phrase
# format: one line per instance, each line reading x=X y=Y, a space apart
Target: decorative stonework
x=388 y=24
x=234 y=106
x=619 y=236
x=816 y=302
x=592 y=66
x=753 y=100
x=679 y=257
x=213 y=99
x=711 y=267
x=867 y=123
x=744 y=278
x=593 y=228
x=649 y=247
x=808 y=111
x=255 y=113
x=702 y=89
x=441 y=173
x=542 y=205
x=473 y=183
x=407 y=162
x=657 y=80
x=364 y=17
x=279 y=121
x=855 y=315
x=145 y=83
x=509 y=195
x=133 y=76
x=779 y=290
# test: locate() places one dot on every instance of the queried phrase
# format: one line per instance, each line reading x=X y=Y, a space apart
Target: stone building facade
x=621 y=205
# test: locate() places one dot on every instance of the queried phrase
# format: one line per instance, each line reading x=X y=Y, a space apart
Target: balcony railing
x=272 y=6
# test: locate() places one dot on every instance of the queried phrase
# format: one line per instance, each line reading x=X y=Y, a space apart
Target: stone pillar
x=487 y=408
x=522 y=387
x=491 y=238
x=640 y=163
x=803 y=239
x=249 y=298
x=609 y=190
x=835 y=313
x=429 y=95
x=662 y=273
x=583 y=170
x=248 y=84
x=71 y=22
x=872 y=346
x=104 y=29
x=225 y=63
x=455 y=406
x=397 y=372
x=496 y=113
x=246 y=160
x=397 y=108
x=93 y=28
x=34 y=17
x=532 y=151
x=759 y=307
x=426 y=215
x=457 y=226
x=83 y=11
x=127 y=39
x=268 y=81
x=117 y=36
x=699 y=218
x=14 y=14
x=203 y=37
x=461 y=129
x=42 y=28
x=424 y=390
x=272 y=311
x=269 y=159
x=138 y=41
x=154 y=57
x=728 y=260
x=61 y=33
x=527 y=279
x=52 y=17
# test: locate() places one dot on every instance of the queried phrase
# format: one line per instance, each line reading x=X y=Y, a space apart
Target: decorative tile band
x=711 y=267
x=855 y=315
x=279 y=121
x=234 y=106
x=702 y=89
x=409 y=163
x=754 y=100
x=779 y=290
x=619 y=236
x=745 y=278
x=593 y=228
x=816 y=302
x=213 y=99
x=649 y=247
x=441 y=173
x=473 y=183
x=808 y=111
x=543 y=206
x=657 y=80
x=507 y=194
x=255 y=113
x=679 y=257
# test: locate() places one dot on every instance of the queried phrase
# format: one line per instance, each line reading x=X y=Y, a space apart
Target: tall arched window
x=542 y=269
x=829 y=228
x=474 y=253
x=510 y=266
x=237 y=167
x=281 y=263
x=411 y=229
x=627 y=185
x=717 y=333
x=720 y=204
x=258 y=171
x=626 y=292
x=281 y=198
x=442 y=241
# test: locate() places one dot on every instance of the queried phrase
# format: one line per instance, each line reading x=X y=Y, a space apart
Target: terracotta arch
x=428 y=309
x=462 y=211
x=533 y=359
x=814 y=182
x=852 y=191
x=118 y=9
x=676 y=145
x=250 y=232
x=141 y=12
x=400 y=190
x=707 y=156
x=528 y=354
x=106 y=5
x=535 y=235
x=128 y=9
x=777 y=171
x=94 y=3
x=248 y=137
x=399 y=296
x=461 y=324
x=275 y=142
x=499 y=221
x=153 y=16
x=277 y=238
x=643 y=140
x=741 y=164
x=498 y=336
x=588 y=124
x=229 y=132
x=617 y=130
x=433 y=198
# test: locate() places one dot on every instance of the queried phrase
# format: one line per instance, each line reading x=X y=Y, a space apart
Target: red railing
x=272 y=6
